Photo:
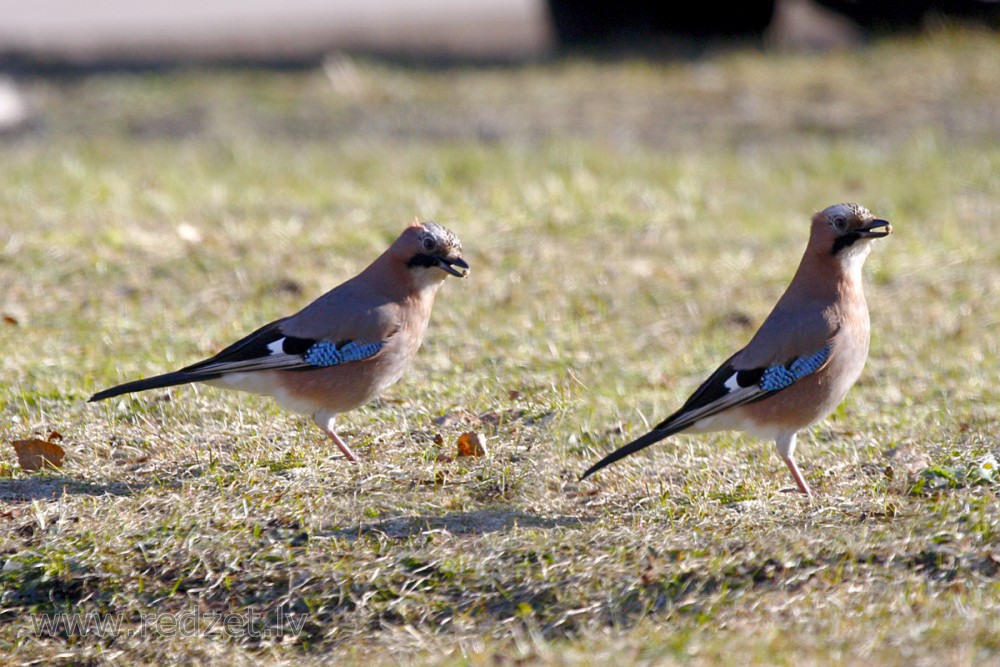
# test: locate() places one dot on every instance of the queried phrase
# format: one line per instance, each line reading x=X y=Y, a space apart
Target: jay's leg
x=797 y=474
x=786 y=448
x=325 y=422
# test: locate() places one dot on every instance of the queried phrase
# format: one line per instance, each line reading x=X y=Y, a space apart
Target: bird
x=343 y=349
x=803 y=359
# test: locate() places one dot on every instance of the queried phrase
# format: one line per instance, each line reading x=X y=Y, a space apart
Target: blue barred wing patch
x=776 y=378
x=779 y=377
x=804 y=366
x=326 y=353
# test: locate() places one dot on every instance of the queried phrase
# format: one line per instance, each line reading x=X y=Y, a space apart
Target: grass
x=629 y=224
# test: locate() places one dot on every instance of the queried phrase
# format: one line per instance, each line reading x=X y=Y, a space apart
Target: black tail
x=653 y=436
x=155 y=382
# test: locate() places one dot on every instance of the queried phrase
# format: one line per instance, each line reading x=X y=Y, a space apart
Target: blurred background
x=65 y=36
x=67 y=33
x=632 y=183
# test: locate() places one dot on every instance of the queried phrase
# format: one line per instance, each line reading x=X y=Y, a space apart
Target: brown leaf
x=34 y=454
x=471 y=444
x=494 y=418
x=447 y=420
x=649 y=576
x=136 y=460
x=455 y=419
x=906 y=458
x=439 y=479
x=290 y=286
x=10 y=319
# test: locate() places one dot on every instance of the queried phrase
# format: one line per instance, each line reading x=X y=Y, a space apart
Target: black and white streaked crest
x=438 y=239
x=844 y=216
x=439 y=248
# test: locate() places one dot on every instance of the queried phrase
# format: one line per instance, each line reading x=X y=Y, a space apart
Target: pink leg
x=797 y=474
x=786 y=448
x=348 y=454
x=325 y=422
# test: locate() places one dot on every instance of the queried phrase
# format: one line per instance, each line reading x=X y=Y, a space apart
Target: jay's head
x=845 y=231
x=430 y=252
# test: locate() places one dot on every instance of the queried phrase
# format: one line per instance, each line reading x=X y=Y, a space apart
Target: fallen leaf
x=10 y=319
x=289 y=286
x=456 y=418
x=129 y=462
x=471 y=444
x=616 y=429
x=34 y=454
x=439 y=479
x=907 y=458
x=649 y=576
x=494 y=418
x=447 y=420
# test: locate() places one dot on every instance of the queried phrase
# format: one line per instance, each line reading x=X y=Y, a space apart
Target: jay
x=347 y=346
x=804 y=358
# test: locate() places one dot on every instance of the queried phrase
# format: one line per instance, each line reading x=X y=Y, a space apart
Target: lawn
x=629 y=222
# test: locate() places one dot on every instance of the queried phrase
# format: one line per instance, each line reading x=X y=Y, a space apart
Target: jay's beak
x=876 y=229
x=449 y=263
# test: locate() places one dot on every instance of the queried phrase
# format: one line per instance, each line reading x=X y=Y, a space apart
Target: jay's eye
x=429 y=244
x=839 y=222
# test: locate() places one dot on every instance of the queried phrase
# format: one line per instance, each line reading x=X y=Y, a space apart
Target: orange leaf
x=33 y=454
x=471 y=444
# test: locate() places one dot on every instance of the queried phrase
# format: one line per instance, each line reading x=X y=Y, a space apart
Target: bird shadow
x=477 y=522
x=53 y=487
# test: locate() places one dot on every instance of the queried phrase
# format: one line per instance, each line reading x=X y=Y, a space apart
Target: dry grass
x=628 y=224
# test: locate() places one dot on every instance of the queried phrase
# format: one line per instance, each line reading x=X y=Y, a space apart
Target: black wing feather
x=726 y=388
x=709 y=399
x=251 y=346
x=246 y=350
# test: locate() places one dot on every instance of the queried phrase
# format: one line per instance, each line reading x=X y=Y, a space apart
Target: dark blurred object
x=895 y=15
x=582 y=22
x=593 y=22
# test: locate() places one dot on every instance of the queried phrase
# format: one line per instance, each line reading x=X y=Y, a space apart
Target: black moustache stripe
x=421 y=259
x=845 y=241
